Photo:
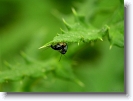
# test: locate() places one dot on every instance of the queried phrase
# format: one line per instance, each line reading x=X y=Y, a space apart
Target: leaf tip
x=57 y=34
x=78 y=43
x=7 y=64
x=101 y=39
x=62 y=31
x=74 y=11
x=42 y=47
x=79 y=83
x=110 y=47
x=107 y=27
x=63 y=20
x=26 y=58
x=66 y=24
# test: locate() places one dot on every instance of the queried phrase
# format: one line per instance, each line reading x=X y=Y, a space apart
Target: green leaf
x=33 y=68
x=78 y=32
x=65 y=71
x=116 y=32
x=116 y=35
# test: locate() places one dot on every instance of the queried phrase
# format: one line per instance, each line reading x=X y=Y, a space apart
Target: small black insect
x=61 y=47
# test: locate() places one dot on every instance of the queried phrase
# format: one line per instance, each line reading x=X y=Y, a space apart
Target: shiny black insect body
x=61 y=47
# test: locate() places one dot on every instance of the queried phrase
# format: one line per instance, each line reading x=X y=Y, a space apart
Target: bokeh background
x=26 y=25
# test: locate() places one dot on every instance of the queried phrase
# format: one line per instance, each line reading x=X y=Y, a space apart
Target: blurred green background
x=25 y=25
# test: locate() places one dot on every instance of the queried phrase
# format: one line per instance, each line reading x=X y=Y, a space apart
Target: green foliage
x=116 y=36
x=117 y=28
x=87 y=67
x=80 y=31
x=37 y=69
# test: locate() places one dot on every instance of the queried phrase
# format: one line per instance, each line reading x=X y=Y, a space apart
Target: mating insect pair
x=61 y=47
